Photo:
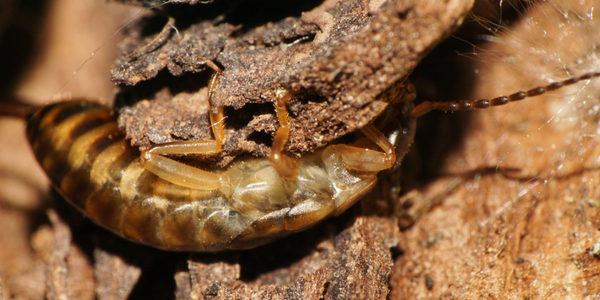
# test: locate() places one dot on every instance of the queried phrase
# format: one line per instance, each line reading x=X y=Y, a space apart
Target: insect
x=156 y=200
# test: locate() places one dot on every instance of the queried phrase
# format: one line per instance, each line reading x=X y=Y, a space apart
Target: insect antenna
x=427 y=106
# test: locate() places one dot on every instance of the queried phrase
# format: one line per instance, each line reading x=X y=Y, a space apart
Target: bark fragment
x=340 y=59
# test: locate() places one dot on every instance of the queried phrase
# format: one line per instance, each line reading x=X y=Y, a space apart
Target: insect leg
x=286 y=166
x=180 y=173
x=155 y=161
x=368 y=160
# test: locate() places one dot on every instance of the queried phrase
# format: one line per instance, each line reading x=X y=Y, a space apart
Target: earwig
x=150 y=198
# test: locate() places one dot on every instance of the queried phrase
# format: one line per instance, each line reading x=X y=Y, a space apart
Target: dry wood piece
x=340 y=58
x=68 y=273
x=115 y=277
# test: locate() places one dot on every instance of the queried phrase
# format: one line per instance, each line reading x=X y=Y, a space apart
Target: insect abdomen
x=80 y=148
x=67 y=138
x=87 y=159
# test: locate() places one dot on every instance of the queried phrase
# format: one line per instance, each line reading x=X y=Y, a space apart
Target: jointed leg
x=180 y=173
x=367 y=160
x=286 y=166
x=356 y=158
x=155 y=161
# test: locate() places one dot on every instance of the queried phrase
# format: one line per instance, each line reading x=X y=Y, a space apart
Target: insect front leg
x=364 y=159
x=155 y=160
x=353 y=170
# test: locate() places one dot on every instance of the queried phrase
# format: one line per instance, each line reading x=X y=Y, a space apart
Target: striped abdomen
x=79 y=146
x=88 y=160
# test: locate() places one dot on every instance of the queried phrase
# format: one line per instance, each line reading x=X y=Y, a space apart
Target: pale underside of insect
x=159 y=201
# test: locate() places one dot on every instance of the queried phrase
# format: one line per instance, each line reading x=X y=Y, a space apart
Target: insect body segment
x=150 y=198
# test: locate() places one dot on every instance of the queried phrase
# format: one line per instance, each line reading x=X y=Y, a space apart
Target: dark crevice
x=188 y=82
x=447 y=74
x=239 y=118
x=156 y=281
x=261 y=137
x=241 y=13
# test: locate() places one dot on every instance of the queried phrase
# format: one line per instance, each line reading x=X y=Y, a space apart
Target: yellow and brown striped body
x=88 y=160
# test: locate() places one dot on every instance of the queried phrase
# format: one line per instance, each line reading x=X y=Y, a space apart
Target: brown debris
x=339 y=58
x=68 y=273
x=115 y=278
x=56 y=273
